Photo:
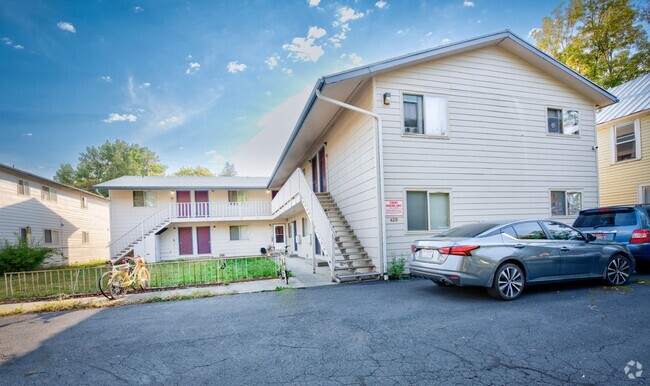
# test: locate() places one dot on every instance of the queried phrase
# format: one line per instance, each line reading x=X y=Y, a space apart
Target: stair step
x=357 y=275
x=353 y=260
x=354 y=267
x=352 y=253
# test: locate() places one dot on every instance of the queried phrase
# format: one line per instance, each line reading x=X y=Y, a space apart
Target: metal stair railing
x=137 y=233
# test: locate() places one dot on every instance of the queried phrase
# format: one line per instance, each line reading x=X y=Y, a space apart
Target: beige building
x=395 y=151
x=624 y=145
x=72 y=221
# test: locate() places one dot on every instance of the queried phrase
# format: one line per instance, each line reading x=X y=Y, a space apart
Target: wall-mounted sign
x=394 y=208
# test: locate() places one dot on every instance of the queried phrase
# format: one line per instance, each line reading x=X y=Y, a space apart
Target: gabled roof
x=634 y=97
x=317 y=115
x=46 y=181
x=183 y=182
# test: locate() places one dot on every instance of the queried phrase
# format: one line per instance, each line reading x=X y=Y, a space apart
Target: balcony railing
x=226 y=210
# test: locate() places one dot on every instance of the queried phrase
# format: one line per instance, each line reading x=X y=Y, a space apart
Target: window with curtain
x=425 y=115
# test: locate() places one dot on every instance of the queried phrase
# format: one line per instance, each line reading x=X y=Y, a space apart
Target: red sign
x=394 y=208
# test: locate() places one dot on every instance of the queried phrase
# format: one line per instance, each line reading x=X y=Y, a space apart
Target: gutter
x=380 y=150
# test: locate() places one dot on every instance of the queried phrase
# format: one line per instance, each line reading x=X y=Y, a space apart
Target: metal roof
x=317 y=115
x=634 y=97
x=183 y=182
x=47 y=181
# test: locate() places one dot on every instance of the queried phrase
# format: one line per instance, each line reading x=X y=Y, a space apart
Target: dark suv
x=629 y=225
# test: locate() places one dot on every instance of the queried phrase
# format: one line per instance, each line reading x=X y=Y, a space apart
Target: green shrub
x=396 y=268
x=22 y=256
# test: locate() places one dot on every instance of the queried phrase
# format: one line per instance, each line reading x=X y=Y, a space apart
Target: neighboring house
x=624 y=145
x=190 y=217
x=72 y=221
x=487 y=128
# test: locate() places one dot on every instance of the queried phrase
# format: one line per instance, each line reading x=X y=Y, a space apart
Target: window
x=48 y=194
x=237 y=196
x=305 y=231
x=645 y=194
x=625 y=141
x=563 y=122
x=529 y=231
x=425 y=115
x=23 y=187
x=85 y=237
x=290 y=234
x=565 y=203
x=562 y=232
x=239 y=232
x=144 y=198
x=84 y=202
x=614 y=218
x=51 y=237
x=26 y=235
x=427 y=211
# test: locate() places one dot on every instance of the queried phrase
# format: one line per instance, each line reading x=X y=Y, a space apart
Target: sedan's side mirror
x=590 y=237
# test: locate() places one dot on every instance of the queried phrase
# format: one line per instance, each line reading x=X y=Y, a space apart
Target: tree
x=110 y=161
x=228 y=170
x=195 y=171
x=603 y=40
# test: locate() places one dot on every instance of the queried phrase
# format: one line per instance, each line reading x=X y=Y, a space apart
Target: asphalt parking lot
x=369 y=333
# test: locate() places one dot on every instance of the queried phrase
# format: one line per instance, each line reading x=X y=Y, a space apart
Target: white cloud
x=216 y=157
x=353 y=60
x=7 y=41
x=338 y=38
x=272 y=61
x=306 y=49
x=106 y=78
x=65 y=26
x=18 y=47
x=138 y=9
x=115 y=117
x=533 y=33
x=287 y=71
x=346 y=13
x=145 y=85
x=313 y=3
x=381 y=4
x=171 y=121
x=27 y=134
x=468 y=4
x=241 y=118
x=268 y=143
x=445 y=41
x=235 y=66
x=402 y=32
x=193 y=68
x=428 y=34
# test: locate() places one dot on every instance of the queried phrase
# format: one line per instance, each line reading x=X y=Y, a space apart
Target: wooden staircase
x=351 y=261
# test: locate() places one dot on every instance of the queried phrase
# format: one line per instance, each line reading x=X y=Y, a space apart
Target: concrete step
x=343 y=268
x=358 y=276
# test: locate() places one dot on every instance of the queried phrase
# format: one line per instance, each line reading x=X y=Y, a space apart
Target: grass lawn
x=75 y=280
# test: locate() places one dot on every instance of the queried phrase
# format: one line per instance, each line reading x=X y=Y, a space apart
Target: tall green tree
x=228 y=170
x=603 y=40
x=195 y=171
x=109 y=161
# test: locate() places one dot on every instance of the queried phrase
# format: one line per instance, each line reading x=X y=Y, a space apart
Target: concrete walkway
x=299 y=267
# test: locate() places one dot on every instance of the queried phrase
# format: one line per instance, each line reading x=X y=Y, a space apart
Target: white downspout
x=380 y=151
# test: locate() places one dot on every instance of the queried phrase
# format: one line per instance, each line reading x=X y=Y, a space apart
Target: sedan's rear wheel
x=618 y=270
x=508 y=282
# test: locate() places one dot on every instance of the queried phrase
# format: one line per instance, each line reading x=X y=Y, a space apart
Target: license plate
x=601 y=236
x=426 y=253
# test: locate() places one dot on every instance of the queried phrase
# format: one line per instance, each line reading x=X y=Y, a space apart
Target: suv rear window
x=469 y=230
x=606 y=219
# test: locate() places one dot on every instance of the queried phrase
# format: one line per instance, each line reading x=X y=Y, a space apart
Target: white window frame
x=84 y=202
x=562 y=110
x=640 y=194
x=240 y=195
x=424 y=116
x=239 y=233
x=85 y=237
x=25 y=186
x=428 y=192
x=637 y=141
x=53 y=240
x=144 y=192
x=566 y=208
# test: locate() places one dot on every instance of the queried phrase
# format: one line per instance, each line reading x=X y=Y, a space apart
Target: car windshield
x=606 y=219
x=469 y=230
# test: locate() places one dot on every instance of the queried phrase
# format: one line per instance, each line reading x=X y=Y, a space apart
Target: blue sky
x=201 y=82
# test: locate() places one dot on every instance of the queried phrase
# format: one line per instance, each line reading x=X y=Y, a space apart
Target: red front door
x=183 y=202
x=203 y=240
x=185 y=245
x=201 y=201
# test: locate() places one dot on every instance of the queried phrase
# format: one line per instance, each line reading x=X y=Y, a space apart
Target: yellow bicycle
x=125 y=272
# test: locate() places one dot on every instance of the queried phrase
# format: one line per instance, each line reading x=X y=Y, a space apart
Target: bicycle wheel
x=103 y=284
x=116 y=286
x=144 y=278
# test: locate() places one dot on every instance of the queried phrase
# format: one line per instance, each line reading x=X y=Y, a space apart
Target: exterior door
x=322 y=175
x=295 y=236
x=317 y=250
x=203 y=240
x=185 y=245
x=314 y=174
x=279 y=241
x=183 y=202
x=201 y=202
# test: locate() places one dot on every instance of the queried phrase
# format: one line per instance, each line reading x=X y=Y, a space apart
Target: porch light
x=387 y=98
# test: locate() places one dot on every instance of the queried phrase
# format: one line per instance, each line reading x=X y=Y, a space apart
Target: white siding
x=65 y=216
x=498 y=162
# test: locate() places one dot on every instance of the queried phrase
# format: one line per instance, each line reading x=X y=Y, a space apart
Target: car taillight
x=460 y=250
x=413 y=249
x=640 y=236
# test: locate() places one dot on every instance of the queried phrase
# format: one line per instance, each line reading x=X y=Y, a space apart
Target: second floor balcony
x=220 y=211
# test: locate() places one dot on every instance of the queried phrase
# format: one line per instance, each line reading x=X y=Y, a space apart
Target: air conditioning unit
x=554 y=125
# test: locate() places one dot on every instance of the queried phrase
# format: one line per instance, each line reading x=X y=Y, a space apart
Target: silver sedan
x=505 y=257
